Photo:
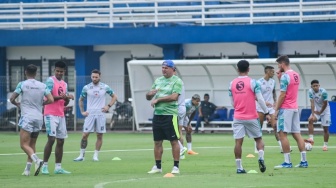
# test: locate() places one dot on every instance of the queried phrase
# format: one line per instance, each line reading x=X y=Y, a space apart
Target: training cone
x=169 y=175
x=250 y=156
x=116 y=159
x=252 y=172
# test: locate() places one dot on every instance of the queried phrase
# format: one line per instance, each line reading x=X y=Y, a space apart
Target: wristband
x=109 y=105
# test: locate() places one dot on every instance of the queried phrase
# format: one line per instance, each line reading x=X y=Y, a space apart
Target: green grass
x=213 y=167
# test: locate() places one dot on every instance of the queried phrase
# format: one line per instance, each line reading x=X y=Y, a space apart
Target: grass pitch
x=213 y=167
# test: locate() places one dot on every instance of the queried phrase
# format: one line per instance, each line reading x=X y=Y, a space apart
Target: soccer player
x=54 y=118
x=31 y=120
x=191 y=106
x=287 y=113
x=320 y=109
x=95 y=119
x=164 y=92
x=267 y=87
x=243 y=92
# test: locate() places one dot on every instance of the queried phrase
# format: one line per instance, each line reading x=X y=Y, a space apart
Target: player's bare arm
x=274 y=98
x=114 y=98
x=81 y=107
x=151 y=94
x=312 y=107
x=13 y=99
x=263 y=105
x=200 y=112
x=49 y=100
x=325 y=104
x=281 y=99
x=169 y=98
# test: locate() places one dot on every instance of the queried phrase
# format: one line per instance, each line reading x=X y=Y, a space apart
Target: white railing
x=156 y=13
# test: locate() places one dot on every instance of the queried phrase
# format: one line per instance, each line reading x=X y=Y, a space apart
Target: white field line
x=136 y=150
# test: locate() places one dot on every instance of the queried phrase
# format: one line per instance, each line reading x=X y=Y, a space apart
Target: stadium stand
x=92 y=13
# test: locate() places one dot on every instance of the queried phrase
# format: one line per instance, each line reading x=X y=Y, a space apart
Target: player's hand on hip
x=105 y=109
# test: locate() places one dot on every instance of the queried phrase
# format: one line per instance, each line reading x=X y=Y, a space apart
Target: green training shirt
x=166 y=87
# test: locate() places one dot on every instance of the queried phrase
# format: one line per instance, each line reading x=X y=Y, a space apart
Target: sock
x=34 y=157
x=239 y=164
x=58 y=166
x=180 y=144
x=325 y=143
x=158 y=164
x=82 y=152
x=255 y=146
x=261 y=154
x=279 y=142
x=28 y=165
x=176 y=163
x=303 y=156
x=96 y=153
x=189 y=146
x=311 y=136
x=287 y=157
x=45 y=164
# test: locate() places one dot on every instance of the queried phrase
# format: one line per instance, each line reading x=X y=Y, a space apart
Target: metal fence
x=156 y=13
x=119 y=117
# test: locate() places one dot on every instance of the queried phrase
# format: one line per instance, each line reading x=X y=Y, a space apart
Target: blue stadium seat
x=221 y=115
x=231 y=113
x=212 y=2
x=305 y=113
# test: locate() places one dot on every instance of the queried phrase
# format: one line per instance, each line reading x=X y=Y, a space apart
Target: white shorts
x=270 y=110
x=325 y=119
x=185 y=122
x=250 y=127
x=30 y=125
x=94 y=123
x=181 y=115
x=288 y=121
x=55 y=126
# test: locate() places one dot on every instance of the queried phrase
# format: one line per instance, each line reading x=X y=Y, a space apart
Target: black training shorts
x=165 y=127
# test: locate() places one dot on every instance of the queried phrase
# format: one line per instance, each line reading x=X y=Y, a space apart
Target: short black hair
x=206 y=95
x=31 y=69
x=314 y=82
x=243 y=66
x=60 y=64
x=96 y=71
x=284 y=59
x=267 y=68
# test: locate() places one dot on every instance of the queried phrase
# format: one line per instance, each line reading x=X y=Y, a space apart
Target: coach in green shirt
x=165 y=92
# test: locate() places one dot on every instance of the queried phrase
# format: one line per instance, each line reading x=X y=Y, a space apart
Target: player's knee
x=51 y=140
x=60 y=142
x=326 y=129
x=99 y=136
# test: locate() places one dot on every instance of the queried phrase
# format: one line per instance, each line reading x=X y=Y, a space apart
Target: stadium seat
x=231 y=113
x=221 y=115
x=305 y=113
